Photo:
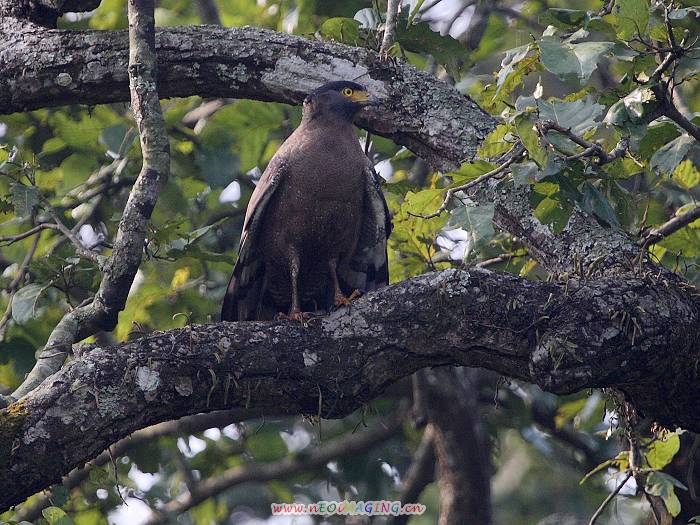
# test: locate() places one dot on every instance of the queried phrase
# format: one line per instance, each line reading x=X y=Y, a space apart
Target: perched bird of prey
x=316 y=226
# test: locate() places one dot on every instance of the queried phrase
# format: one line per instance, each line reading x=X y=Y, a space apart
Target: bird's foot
x=341 y=300
x=297 y=316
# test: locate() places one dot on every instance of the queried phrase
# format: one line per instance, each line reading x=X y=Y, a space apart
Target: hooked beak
x=363 y=98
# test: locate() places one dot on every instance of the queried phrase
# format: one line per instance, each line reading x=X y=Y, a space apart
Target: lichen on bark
x=12 y=420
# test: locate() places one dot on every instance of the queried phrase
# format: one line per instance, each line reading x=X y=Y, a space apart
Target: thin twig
x=515 y=153
x=672 y=226
x=609 y=499
x=313 y=459
x=591 y=149
x=4 y=241
x=80 y=248
x=15 y=284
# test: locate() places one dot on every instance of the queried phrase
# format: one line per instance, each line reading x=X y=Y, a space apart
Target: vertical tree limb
x=392 y=11
x=419 y=475
x=119 y=270
x=208 y=12
x=461 y=448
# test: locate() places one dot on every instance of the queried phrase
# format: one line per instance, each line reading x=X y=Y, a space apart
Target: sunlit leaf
x=686 y=175
x=661 y=451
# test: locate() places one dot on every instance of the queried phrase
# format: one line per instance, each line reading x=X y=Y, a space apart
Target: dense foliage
x=579 y=87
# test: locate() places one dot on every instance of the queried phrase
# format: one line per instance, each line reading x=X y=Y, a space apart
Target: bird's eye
x=347 y=92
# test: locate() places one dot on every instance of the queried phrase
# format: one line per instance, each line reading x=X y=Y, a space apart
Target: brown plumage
x=317 y=224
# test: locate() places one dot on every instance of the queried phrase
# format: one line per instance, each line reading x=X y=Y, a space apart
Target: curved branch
x=617 y=332
x=45 y=68
x=303 y=461
x=672 y=225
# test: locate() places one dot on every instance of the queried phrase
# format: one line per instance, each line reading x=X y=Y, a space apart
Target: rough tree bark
x=436 y=122
x=462 y=449
x=119 y=269
x=561 y=336
x=631 y=328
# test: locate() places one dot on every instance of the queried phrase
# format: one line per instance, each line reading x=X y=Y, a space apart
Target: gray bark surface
x=47 y=68
x=561 y=336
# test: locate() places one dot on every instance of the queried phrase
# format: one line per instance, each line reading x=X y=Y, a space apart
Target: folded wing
x=368 y=268
x=243 y=299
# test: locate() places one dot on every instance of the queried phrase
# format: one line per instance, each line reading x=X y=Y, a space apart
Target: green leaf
x=187 y=247
x=568 y=411
x=570 y=60
x=661 y=452
x=638 y=102
x=509 y=63
x=470 y=171
x=667 y=158
x=564 y=18
x=685 y=241
x=655 y=138
x=24 y=198
x=524 y=173
x=218 y=165
x=633 y=17
x=662 y=485
x=495 y=144
x=424 y=202
x=339 y=29
x=596 y=203
x=619 y=461
x=477 y=220
x=56 y=516
x=81 y=134
x=420 y=38
x=24 y=303
x=579 y=115
x=524 y=126
x=60 y=494
x=686 y=175
x=266 y=446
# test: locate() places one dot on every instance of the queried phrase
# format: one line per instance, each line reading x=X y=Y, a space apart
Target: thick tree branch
x=44 y=12
x=45 y=68
x=461 y=448
x=426 y=115
x=636 y=334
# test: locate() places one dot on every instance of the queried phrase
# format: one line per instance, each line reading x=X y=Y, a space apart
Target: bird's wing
x=368 y=268
x=244 y=292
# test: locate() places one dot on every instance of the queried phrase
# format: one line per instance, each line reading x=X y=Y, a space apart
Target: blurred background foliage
x=565 y=60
